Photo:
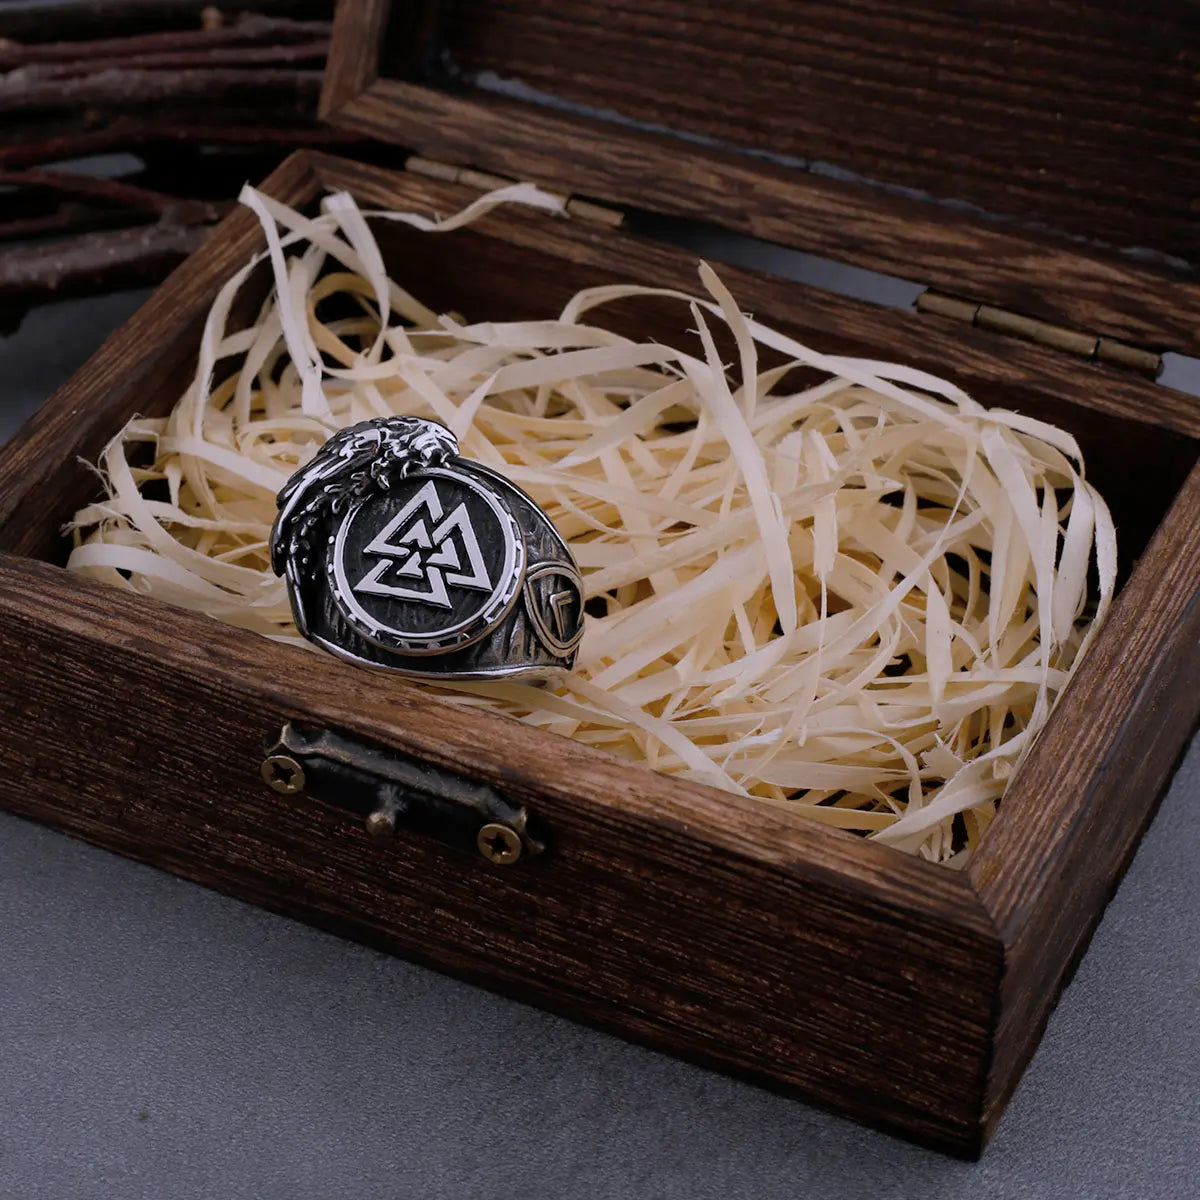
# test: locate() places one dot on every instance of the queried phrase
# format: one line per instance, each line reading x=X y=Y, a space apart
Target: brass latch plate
x=391 y=791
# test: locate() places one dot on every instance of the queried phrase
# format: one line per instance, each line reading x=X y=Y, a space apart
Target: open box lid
x=1041 y=157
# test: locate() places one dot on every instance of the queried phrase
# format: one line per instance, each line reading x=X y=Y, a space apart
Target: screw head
x=499 y=844
x=283 y=774
x=380 y=824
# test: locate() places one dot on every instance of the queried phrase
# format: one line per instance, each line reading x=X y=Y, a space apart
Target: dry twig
x=205 y=96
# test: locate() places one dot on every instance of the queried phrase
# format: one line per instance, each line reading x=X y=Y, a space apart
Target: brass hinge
x=1091 y=346
x=575 y=206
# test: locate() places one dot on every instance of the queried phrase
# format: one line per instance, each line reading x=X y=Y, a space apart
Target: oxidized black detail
x=399 y=554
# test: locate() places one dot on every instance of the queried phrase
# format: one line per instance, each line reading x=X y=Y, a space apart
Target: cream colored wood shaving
x=858 y=600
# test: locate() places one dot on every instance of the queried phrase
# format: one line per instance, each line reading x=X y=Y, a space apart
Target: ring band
x=399 y=554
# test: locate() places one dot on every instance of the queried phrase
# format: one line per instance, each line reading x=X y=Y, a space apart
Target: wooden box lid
x=1039 y=156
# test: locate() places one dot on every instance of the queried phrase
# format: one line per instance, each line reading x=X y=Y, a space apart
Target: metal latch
x=390 y=791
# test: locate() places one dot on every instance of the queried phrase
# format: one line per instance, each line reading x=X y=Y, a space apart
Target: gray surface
x=161 y=1041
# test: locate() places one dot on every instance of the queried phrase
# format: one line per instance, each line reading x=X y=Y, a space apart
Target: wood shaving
x=858 y=599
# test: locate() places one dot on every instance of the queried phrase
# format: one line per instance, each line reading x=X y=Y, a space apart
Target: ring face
x=399 y=554
x=431 y=564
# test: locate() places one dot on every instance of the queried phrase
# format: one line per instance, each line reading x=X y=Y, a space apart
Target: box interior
x=1137 y=466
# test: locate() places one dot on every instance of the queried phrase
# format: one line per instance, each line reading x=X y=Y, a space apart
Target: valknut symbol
x=430 y=562
x=423 y=550
x=399 y=553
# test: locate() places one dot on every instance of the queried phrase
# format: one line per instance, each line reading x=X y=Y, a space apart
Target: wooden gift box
x=905 y=994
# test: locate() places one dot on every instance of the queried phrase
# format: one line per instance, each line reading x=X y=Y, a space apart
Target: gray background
x=158 y=1040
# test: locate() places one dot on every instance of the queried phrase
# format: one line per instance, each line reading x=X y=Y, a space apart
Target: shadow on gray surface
x=52 y=343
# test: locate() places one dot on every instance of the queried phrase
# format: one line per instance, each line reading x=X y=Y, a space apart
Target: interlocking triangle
x=416 y=535
x=436 y=594
x=409 y=528
x=445 y=556
x=426 y=499
x=412 y=567
x=460 y=521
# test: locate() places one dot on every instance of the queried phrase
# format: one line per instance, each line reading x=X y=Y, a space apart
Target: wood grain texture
x=1047 y=869
x=141 y=728
x=1140 y=439
x=1081 y=116
x=705 y=924
x=1057 y=278
x=353 y=61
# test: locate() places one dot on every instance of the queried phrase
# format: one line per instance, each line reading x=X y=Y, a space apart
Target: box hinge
x=1092 y=346
x=575 y=206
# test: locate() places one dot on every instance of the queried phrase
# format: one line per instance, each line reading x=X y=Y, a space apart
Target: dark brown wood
x=46 y=82
x=114 y=192
x=269 y=33
x=1078 y=116
x=98 y=261
x=141 y=87
x=139 y=727
x=142 y=728
x=1058 y=278
x=1047 y=870
x=139 y=133
x=58 y=20
x=353 y=62
x=214 y=98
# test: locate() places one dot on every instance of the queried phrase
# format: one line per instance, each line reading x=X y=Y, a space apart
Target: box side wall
x=1076 y=811
x=730 y=937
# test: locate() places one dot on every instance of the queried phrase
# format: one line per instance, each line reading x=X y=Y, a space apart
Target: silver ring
x=401 y=555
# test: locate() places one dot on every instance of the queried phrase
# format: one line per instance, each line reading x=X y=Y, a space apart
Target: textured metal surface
x=391 y=792
x=400 y=554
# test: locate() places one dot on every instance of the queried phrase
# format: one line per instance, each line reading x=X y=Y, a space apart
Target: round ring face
x=431 y=564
